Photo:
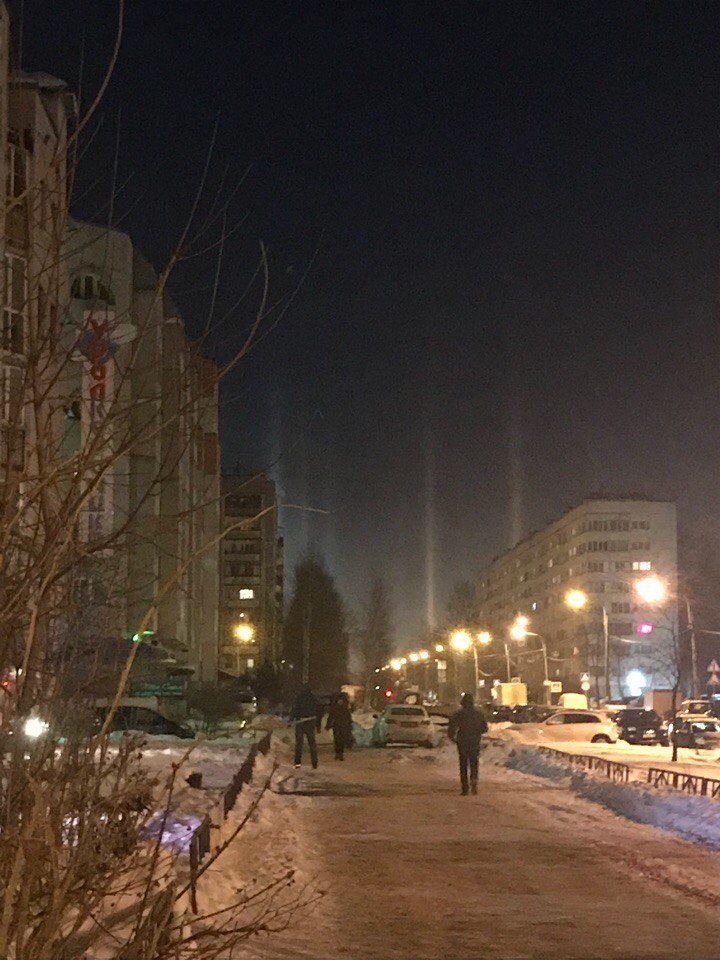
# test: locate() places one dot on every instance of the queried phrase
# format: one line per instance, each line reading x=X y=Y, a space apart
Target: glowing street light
x=414 y=657
x=244 y=632
x=396 y=663
x=518 y=630
x=576 y=599
x=484 y=637
x=651 y=589
x=635 y=681
x=439 y=647
x=424 y=654
x=461 y=640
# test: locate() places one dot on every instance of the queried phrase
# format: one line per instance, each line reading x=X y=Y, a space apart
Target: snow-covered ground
x=705 y=763
x=528 y=869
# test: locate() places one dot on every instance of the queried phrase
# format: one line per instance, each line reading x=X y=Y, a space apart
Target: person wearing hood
x=305 y=715
x=466 y=729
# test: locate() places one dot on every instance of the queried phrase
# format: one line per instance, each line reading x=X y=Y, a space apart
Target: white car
x=409 y=724
x=698 y=730
x=583 y=726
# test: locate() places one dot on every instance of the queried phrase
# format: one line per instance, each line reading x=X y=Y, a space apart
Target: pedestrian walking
x=340 y=722
x=305 y=713
x=466 y=729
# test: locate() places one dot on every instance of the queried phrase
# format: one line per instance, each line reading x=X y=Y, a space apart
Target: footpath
x=524 y=871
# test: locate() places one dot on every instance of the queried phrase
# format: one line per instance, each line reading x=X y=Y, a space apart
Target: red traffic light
x=388 y=694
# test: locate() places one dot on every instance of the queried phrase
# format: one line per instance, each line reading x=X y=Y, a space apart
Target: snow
x=692 y=817
x=528 y=869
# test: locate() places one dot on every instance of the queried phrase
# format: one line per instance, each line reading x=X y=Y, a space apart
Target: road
x=411 y=869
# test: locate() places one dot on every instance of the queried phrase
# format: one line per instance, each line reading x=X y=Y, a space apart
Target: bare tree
x=108 y=520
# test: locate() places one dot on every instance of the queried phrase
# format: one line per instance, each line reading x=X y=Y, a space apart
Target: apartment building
x=146 y=398
x=601 y=547
x=34 y=113
x=251 y=575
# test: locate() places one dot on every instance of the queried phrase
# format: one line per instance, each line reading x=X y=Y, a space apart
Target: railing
x=199 y=846
x=200 y=840
x=684 y=782
x=617 y=772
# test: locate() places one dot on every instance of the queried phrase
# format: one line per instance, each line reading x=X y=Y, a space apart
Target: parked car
x=700 y=732
x=697 y=707
x=638 y=725
x=145 y=720
x=248 y=702
x=409 y=724
x=584 y=726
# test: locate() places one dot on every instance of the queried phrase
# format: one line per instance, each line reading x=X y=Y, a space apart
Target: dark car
x=640 y=726
x=146 y=720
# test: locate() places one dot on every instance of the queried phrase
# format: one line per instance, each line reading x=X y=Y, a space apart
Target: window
x=554 y=721
x=620 y=607
x=595 y=566
x=90 y=288
x=246 y=593
x=11 y=386
x=16 y=167
x=642 y=565
x=211 y=454
x=580 y=718
x=239 y=506
x=15 y=305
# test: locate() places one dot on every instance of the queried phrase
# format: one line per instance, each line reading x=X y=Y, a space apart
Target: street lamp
x=577 y=600
x=651 y=589
x=461 y=640
x=519 y=631
x=244 y=632
x=396 y=663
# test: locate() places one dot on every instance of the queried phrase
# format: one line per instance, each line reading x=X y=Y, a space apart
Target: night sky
x=510 y=215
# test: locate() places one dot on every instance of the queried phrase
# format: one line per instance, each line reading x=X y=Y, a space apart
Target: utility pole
x=606 y=637
x=306 y=644
x=693 y=648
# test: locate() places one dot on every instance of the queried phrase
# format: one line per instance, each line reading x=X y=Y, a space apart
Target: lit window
x=642 y=565
x=250 y=663
x=247 y=594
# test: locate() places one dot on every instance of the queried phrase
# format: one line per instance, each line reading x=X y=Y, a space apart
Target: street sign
x=556 y=686
x=167 y=687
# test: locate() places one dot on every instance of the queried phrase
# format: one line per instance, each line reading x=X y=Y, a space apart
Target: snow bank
x=693 y=818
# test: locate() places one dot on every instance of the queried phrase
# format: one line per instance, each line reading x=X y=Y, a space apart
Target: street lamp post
x=462 y=642
x=519 y=631
x=577 y=600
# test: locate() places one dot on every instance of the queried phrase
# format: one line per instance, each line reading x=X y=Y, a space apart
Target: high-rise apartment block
x=251 y=575
x=601 y=549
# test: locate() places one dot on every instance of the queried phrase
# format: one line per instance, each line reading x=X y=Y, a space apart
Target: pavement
x=408 y=868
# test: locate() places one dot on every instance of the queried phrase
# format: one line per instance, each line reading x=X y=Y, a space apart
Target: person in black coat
x=466 y=729
x=304 y=714
x=340 y=722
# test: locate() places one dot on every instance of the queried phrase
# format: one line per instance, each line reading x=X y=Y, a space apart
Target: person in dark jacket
x=466 y=728
x=340 y=722
x=304 y=715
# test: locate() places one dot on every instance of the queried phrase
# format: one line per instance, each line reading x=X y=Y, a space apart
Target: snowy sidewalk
x=413 y=870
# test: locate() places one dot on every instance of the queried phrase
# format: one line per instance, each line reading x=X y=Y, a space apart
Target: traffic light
x=389 y=694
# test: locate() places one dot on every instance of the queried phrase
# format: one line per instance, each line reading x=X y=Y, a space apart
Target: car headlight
x=34 y=727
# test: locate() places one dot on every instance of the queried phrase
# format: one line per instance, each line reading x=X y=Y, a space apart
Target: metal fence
x=684 y=782
x=617 y=772
x=200 y=839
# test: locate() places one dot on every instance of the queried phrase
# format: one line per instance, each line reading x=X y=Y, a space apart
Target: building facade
x=600 y=548
x=144 y=398
x=251 y=575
